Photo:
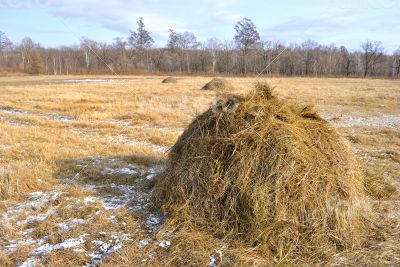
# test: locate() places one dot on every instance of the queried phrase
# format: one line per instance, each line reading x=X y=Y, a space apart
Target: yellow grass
x=50 y=131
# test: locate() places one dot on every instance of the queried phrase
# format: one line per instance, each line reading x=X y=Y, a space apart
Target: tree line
x=245 y=54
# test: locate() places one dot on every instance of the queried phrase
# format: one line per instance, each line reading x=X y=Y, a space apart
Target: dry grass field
x=78 y=156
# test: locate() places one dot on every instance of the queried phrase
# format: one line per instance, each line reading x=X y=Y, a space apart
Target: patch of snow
x=215 y=260
x=36 y=218
x=53 y=116
x=144 y=242
x=59 y=117
x=13 y=244
x=126 y=170
x=69 y=243
x=19 y=123
x=153 y=220
x=14 y=111
x=36 y=200
x=164 y=243
x=89 y=200
x=129 y=170
x=151 y=176
x=154 y=147
x=71 y=223
x=29 y=263
x=104 y=249
x=383 y=121
x=28 y=231
x=116 y=202
x=85 y=81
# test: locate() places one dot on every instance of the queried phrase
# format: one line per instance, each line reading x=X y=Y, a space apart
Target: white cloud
x=227 y=18
x=120 y=15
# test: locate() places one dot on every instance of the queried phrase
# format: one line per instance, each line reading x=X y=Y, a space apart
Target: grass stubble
x=51 y=131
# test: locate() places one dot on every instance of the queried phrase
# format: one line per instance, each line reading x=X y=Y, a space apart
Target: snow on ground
x=85 y=81
x=126 y=140
x=36 y=200
x=40 y=205
x=14 y=111
x=391 y=121
x=158 y=148
x=131 y=197
x=127 y=124
x=383 y=121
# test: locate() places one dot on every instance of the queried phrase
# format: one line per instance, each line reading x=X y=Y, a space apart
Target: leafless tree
x=184 y=53
x=373 y=55
x=396 y=62
x=182 y=44
x=87 y=46
x=5 y=44
x=26 y=47
x=213 y=45
x=4 y=41
x=346 y=61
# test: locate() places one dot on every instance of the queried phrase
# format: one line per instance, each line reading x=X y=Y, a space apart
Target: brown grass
x=39 y=152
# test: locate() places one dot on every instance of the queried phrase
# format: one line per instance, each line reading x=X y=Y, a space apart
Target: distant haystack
x=267 y=173
x=218 y=84
x=170 y=80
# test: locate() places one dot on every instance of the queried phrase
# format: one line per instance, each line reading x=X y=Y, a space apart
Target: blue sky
x=62 y=22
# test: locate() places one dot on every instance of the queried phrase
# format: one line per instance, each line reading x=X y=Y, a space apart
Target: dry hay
x=170 y=80
x=269 y=175
x=217 y=84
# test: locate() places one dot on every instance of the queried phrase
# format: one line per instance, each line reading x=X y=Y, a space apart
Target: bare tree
x=265 y=52
x=35 y=62
x=4 y=41
x=226 y=56
x=5 y=44
x=26 y=47
x=183 y=53
x=188 y=44
x=309 y=48
x=373 y=55
x=182 y=44
x=346 y=61
x=246 y=36
x=121 y=58
x=396 y=63
x=141 y=40
x=213 y=45
x=87 y=47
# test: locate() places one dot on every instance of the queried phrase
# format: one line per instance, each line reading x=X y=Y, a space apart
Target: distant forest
x=245 y=54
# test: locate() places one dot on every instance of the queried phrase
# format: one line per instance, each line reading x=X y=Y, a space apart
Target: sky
x=54 y=23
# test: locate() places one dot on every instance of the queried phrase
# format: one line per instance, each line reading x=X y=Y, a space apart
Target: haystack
x=267 y=173
x=170 y=80
x=217 y=84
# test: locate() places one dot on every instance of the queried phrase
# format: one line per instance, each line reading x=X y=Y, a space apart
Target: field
x=78 y=156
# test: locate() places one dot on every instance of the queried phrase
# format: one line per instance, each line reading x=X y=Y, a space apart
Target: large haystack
x=217 y=84
x=268 y=174
x=170 y=80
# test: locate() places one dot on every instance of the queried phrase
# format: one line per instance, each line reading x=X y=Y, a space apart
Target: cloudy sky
x=343 y=22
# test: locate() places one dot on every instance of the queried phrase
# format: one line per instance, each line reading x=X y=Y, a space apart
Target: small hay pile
x=217 y=84
x=170 y=80
x=271 y=175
